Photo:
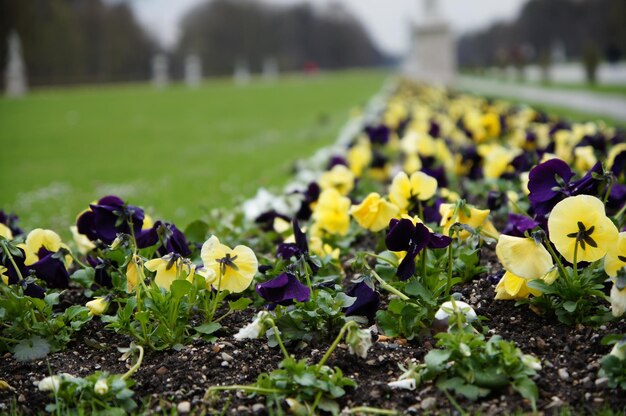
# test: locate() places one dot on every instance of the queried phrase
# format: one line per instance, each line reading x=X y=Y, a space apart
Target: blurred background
x=92 y=41
x=183 y=106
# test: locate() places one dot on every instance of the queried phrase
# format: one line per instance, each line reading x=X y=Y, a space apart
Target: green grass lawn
x=176 y=152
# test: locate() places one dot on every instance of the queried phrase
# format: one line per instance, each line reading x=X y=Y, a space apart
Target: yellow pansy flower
x=585 y=158
x=613 y=153
x=98 y=306
x=339 y=177
x=169 y=268
x=133 y=274
x=5 y=232
x=374 y=212
x=478 y=218
x=404 y=189
x=83 y=243
x=523 y=257
x=359 y=157
x=616 y=256
x=512 y=287
x=231 y=269
x=496 y=159
x=331 y=214
x=319 y=248
x=3 y=276
x=38 y=239
x=580 y=223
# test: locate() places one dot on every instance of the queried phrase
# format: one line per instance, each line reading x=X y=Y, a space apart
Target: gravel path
x=589 y=102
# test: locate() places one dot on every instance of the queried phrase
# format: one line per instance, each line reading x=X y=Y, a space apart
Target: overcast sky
x=386 y=20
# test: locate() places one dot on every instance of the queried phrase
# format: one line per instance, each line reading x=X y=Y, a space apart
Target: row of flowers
x=401 y=210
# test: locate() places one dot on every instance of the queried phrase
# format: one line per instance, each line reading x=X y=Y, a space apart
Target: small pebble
x=225 y=364
x=21 y=398
x=162 y=371
x=184 y=407
x=243 y=410
x=428 y=403
x=602 y=382
x=563 y=374
x=227 y=357
x=258 y=408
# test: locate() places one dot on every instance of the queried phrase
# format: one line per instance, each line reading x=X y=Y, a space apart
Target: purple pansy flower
x=11 y=220
x=51 y=269
x=378 y=134
x=404 y=236
x=298 y=249
x=283 y=290
x=311 y=195
x=518 y=225
x=172 y=239
x=336 y=160
x=109 y=217
x=495 y=199
x=549 y=183
x=367 y=300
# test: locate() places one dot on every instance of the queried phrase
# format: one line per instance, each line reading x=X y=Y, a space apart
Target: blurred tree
x=76 y=41
x=224 y=31
x=543 y=22
x=591 y=60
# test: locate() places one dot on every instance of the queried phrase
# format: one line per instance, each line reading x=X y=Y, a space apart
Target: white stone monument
x=160 y=69
x=242 y=75
x=270 y=70
x=432 y=57
x=193 y=71
x=15 y=75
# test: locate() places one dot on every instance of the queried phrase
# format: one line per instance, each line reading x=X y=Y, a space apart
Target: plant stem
x=387 y=286
x=454 y=403
x=318 y=396
x=556 y=258
x=5 y=339
x=372 y=410
x=137 y=364
x=334 y=344
x=214 y=300
x=278 y=338
x=449 y=280
x=80 y=263
x=250 y=388
x=10 y=256
x=307 y=274
x=575 y=263
x=389 y=262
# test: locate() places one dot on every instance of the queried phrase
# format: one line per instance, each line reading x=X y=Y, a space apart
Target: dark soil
x=570 y=358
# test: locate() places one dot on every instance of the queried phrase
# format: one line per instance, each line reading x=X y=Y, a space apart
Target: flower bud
x=254 y=329
x=359 y=341
x=619 y=350
x=406 y=384
x=101 y=388
x=98 y=306
x=50 y=383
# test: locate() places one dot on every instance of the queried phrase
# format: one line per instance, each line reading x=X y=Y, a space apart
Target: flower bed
x=448 y=253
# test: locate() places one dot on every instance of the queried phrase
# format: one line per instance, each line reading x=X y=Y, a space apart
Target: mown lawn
x=177 y=152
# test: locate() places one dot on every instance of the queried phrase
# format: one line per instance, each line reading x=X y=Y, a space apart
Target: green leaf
x=435 y=359
x=31 y=349
x=52 y=298
x=527 y=389
x=239 y=304
x=180 y=288
x=570 y=306
x=208 y=329
x=84 y=277
x=305 y=379
x=196 y=231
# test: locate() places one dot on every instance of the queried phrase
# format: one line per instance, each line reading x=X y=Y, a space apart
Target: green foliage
x=470 y=366
x=76 y=395
x=613 y=365
x=574 y=300
x=161 y=319
x=307 y=384
x=402 y=319
x=31 y=326
x=314 y=321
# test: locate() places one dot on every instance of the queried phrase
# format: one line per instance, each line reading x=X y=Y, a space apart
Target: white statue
x=160 y=68
x=193 y=71
x=270 y=69
x=242 y=73
x=15 y=75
